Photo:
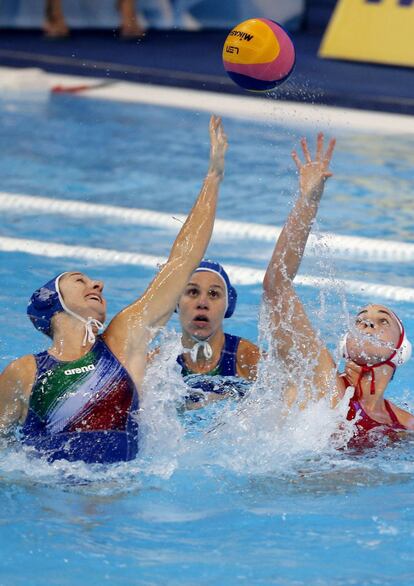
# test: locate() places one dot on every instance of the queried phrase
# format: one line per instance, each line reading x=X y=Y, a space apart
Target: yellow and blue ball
x=258 y=54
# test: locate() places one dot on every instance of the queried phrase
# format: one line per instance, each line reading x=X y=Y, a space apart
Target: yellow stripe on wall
x=378 y=32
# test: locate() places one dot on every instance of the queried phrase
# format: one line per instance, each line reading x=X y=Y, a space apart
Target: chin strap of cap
x=365 y=369
x=199 y=345
x=90 y=323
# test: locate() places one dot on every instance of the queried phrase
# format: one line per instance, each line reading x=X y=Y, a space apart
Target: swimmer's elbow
x=270 y=284
x=274 y=285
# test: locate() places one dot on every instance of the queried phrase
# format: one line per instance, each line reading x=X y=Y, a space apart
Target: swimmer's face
x=375 y=335
x=202 y=305
x=83 y=295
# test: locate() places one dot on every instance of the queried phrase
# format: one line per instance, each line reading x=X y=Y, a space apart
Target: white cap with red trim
x=401 y=354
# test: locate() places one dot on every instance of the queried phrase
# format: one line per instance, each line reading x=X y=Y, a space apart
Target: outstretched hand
x=314 y=173
x=218 y=146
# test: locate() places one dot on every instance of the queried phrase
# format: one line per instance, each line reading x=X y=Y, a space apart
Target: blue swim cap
x=215 y=267
x=43 y=305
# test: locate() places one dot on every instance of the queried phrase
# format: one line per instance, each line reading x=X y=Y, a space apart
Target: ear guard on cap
x=43 y=305
x=403 y=353
x=232 y=300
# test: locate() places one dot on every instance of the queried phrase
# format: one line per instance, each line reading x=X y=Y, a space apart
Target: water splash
x=258 y=436
x=163 y=392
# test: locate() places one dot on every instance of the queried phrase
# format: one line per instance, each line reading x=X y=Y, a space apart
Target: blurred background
x=356 y=53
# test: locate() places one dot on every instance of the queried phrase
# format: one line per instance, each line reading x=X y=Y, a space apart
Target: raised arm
x=159 y=300
x=288 y=252
x=295 y=339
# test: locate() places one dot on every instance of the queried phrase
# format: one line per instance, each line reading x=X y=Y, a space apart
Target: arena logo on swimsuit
x=80 y=369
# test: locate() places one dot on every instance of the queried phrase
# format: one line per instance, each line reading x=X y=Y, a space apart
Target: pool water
x=231 y=494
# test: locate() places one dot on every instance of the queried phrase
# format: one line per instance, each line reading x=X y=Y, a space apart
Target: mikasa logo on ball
x=80 y=369
x=241 y=35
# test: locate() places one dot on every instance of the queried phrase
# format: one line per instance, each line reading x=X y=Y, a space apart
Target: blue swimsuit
x=83 y=410
x=226 y=366
x=221 y=379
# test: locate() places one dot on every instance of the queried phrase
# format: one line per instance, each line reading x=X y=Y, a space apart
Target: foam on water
x=162 y=434
x=256 y=436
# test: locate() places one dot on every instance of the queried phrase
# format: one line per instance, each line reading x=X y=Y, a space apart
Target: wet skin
x=375 y=336
x=202 y=305
x=83 y=295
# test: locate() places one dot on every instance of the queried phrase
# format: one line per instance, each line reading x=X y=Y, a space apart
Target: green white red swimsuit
x=83 y=410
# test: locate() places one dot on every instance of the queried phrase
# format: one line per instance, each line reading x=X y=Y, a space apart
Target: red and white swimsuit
x=365 y=422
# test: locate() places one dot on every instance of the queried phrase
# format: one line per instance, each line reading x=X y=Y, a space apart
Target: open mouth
x=201 y=320
x=372 y=340
x=94 y=297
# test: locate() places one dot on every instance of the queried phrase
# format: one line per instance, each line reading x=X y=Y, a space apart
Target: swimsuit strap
x=44 y=362
x=393 y=416
x=355 y=405
x=228 y=358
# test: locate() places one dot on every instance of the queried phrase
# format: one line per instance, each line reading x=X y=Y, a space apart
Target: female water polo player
x=79 y=400
x=207 y=300
x=373 y=348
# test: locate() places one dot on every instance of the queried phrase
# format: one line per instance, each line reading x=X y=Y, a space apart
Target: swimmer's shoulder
x=16 y=382
x=404 y=417
x=21 y=371
x=248 y=355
